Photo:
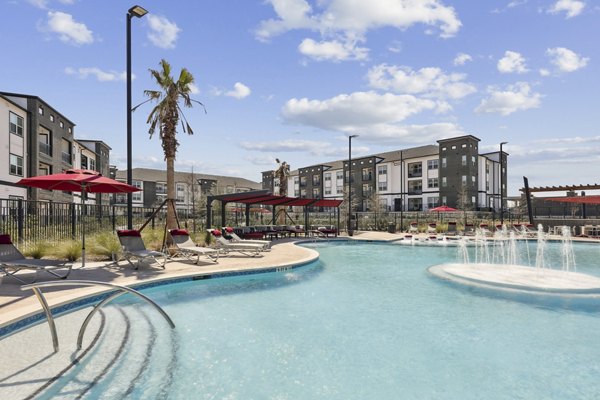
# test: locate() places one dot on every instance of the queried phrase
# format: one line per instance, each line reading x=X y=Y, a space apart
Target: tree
x=166 y=115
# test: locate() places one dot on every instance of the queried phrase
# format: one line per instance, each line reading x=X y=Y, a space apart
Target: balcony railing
x=415 y=173
x=46 y=148
x=66 y=157
x=415 y=191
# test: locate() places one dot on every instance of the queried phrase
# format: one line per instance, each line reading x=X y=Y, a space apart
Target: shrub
x=105 y=244
x=70 y=249
x=153 y=238
x=37 y=249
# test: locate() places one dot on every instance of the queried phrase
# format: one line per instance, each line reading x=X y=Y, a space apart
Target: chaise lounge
x=248 y=249
x=13 y=261
x=134 y=248
x=187 y=248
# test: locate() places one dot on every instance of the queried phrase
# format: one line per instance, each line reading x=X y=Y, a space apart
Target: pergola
x=264 y=197
x=594 y=200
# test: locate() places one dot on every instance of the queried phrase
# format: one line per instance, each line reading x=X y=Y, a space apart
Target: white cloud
x=512 y=62
x=544 y=72
x=430 y=82
x=194 y=89
x=351 y=19
x=347 y=112
x=102 y=76
x=566 y=60
x=68 y=30
x=518 y=97
x=572 y=8
x=462 y=59
x=43 y=4
x=313 y=147
x=163 y=33
x=239 y=91
x=333 y=50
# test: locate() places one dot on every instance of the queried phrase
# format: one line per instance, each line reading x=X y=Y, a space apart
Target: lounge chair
x=187 y=248
x=249 y=249
x=452 y=231
x=325 y=231
x=229 y=234
x=469 y=230
x=13 y=261
x=134 y=248
x=485 y=230
x=432 y=228
x=296 y=229
x=413 y=228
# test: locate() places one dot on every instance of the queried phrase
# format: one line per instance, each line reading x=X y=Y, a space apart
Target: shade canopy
x=259 y=197
x=443 y=209
x=78 y=180
x=595 y=200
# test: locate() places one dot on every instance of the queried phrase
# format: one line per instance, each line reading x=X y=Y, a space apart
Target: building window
x=302 y=181
x=415 y=204
x=339 y=176
x=316 y=180
x=45 y=141
x=180 y=195
x=67 y=151
x=415 y=187
x=473 y=180
x=382 y=170
x=15 y=125
x=366 y=190
x=16 y=165
x=339 y=190
x=453 y=147
x=51 y=118
x=415 y=170
x=473 y=199
x=161 y=188
x=464 y=160
x=137 y=196
x=432 y=183
x=327 y=177
x=382 y=186
x=432 y=202
x=41 y=110
x=367 y=174
x=44 y=169
x=444 y=164
x=473 y=160
x=444 y=200
x=464 y=180
x=70 y=130
x=444 y=181
x=443 y=149
x=84 y=162
x=92 y=164
x=464 y=146
x=316 y=193
x=432 y=164
x=327 y=190
x=62 y=124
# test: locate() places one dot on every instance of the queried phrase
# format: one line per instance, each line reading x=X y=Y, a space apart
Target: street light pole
x=135 y=11
x=350 y=231
x=500 y=187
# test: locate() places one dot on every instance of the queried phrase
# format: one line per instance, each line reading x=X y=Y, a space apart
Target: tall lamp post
x=500 y=187
x=139 y=12
x=350 y=231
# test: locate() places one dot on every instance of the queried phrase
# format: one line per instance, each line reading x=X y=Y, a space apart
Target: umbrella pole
x=82 y=227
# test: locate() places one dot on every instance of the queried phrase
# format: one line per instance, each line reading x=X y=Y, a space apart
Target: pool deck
x=16 y=304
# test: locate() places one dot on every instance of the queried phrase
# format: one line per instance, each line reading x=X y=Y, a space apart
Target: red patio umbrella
x=79 y=180
x=443 y=209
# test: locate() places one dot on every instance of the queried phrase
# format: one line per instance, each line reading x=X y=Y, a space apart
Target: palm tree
x=166 y=114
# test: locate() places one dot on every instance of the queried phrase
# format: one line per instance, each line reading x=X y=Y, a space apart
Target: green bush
x=153 y=238
x=37 y=249
x=69 y=249
x=105 y=244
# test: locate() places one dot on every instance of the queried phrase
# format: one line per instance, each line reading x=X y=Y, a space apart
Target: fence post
x=73 y=221
x=114 y=219
x=20 y=217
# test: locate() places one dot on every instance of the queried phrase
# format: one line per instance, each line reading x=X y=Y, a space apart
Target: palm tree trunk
x=171 y=220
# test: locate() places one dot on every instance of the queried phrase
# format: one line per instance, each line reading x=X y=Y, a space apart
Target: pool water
x=364 y=322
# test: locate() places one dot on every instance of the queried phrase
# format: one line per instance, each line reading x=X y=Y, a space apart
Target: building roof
x=453 y=139
x=29 y=96
x=12 y=102
x=157 y=175
x=94 y=141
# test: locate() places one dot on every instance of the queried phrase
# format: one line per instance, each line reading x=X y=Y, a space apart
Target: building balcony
x=415 y=174
x=66 y=157
x=46 y=149
x=413 y=192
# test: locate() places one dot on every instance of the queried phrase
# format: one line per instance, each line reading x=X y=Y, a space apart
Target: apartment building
x=93 y=155
x=47 y=141
x=191 y=188
x=452 y=173
x=13 y=144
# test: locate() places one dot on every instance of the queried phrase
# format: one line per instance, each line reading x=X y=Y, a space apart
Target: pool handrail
x=121 y=290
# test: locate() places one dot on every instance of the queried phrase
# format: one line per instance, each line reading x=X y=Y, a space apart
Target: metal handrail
x=121 y=290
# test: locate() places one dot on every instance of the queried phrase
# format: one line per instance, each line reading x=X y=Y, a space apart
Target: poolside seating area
x=227 y=246
x=135 y=249
x=186 y=247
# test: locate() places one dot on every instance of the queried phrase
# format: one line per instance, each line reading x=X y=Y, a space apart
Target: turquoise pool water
x=365 y=322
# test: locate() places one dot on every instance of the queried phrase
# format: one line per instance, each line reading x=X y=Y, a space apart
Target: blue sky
x=291 y=79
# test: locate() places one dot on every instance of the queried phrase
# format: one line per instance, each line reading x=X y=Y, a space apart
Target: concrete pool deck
x=16 y=304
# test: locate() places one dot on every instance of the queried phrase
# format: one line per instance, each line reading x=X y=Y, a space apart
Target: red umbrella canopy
x=78 y=180
x=443 y=209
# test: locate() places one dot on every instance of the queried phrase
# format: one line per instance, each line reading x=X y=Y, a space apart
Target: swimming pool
x=364 y=322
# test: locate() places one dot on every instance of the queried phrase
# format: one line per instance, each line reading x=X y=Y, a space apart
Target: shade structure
x=443 y=209
x=594 y=200
x=79 y=180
